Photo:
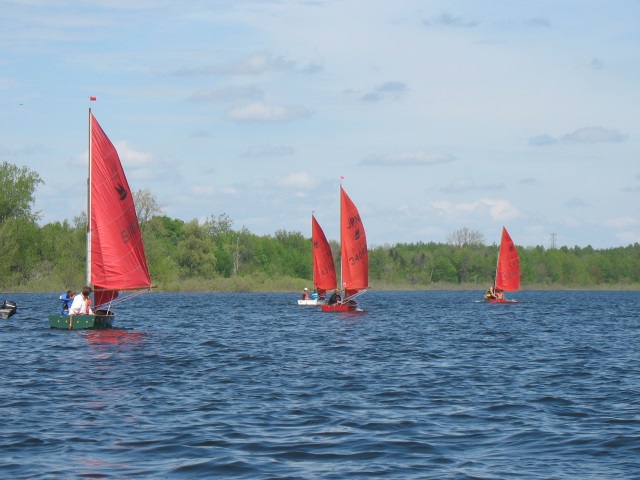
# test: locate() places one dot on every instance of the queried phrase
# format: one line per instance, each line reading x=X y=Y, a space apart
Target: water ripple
x=446 y=387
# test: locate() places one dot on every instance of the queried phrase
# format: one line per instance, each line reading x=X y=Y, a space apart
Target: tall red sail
x=118 y=261
x=324 y=270
x=508 y=270
x=355 y=257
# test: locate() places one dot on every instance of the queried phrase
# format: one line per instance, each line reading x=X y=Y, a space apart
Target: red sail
x=508 y=270
x=118 y=260
x=355 y=257
x=324 y=270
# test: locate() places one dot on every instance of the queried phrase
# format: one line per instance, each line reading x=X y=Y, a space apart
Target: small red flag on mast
x=92 y=99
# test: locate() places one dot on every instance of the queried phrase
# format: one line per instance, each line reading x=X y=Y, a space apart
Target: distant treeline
x=213 y=256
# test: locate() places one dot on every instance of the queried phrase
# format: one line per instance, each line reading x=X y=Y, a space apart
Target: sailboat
x=507 y=271
x=354 y=257
x=324 y=270
x=116 y=260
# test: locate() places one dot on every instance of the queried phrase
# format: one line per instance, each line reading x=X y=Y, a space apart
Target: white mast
x=89 y=205
x=341 y=239
x=495 y=278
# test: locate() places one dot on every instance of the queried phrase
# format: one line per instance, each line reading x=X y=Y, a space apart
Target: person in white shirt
x=81 y=303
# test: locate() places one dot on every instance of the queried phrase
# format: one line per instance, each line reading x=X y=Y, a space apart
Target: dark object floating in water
x=8 y=308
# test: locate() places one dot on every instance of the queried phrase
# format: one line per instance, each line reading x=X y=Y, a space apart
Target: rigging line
x=122 y=298
x=118 y=300
x=357 y=294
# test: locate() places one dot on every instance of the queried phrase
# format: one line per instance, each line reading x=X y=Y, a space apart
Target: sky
x=439 y=114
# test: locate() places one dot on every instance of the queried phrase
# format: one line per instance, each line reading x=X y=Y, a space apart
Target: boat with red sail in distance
x=354 y=257
x=507 y=277
x=116 y=260
x=324 y=270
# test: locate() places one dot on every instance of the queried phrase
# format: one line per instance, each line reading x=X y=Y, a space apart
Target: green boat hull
x=100 y=321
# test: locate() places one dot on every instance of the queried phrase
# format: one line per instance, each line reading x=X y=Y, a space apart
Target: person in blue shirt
x=66 y=299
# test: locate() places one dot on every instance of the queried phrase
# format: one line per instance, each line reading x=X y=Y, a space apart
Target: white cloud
x=529 y=181
x=499 y=210
x=298 y=180
x=448 y=20
x=467 y=185
x=261 y=112
x=537 y=22
x=202 y=190
x=7 y=83
x=628 y=238
x=460 y=186
x=408 y=159
x=392 y=90
x=228 y=94
x=24 y=149
x=621 y=222
x=131 y=157
x=258 y=63
x=585 y=135
x=541 y=140
x=576 y=202
x=594 y=135
x=269 y=151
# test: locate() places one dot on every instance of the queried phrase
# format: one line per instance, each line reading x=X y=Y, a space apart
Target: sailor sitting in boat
x=305 y=294
x=492 y=295
x=81 y=303
x=335 y=297
x=66 y=299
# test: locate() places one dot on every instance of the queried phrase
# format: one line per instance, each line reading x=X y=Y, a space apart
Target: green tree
x=220 y=228
x=226 y=241
x=380 y=265
x=63 y=252
x=296 y=251
x=17 y=187
x=20 y=241
x=444 y=270
x=195 y=252
x=466 y=237
x=19 y=235
x=146 y=206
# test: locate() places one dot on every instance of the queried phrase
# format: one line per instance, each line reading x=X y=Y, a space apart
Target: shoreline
x=399 y=288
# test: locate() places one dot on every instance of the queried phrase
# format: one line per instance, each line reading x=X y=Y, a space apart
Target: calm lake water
x=434 y=385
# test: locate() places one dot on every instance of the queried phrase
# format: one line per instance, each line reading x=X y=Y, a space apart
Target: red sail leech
x=353 y=239
x=508 y=269
x=118 y=260
x=324 y=270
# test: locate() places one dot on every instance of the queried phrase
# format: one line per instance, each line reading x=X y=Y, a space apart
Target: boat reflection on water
x=113 y=336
